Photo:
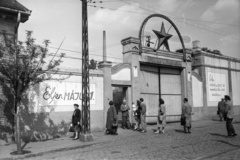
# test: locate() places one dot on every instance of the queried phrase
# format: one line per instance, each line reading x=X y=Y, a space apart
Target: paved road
x=208 y=141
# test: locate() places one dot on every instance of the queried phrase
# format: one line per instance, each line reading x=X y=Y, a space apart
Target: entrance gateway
x=154 y=72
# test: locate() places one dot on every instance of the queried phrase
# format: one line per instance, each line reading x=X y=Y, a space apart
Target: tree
x=24 y=64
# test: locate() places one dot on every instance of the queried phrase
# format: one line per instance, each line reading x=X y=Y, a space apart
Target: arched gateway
x=154 y=72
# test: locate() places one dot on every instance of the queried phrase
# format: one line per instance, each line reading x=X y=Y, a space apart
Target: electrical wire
x=179 y=18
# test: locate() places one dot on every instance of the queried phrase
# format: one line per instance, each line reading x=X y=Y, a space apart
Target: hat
x=111 y=103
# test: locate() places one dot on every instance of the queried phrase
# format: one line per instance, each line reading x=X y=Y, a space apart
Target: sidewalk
x=35 y=149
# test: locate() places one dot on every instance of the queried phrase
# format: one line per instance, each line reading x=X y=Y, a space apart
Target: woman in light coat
x=187 y=114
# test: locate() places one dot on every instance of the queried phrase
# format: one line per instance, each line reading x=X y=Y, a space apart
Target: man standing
x=124 y=109
x=229 y=117
x=187 y=115
x=143 y=116
x=221 y=109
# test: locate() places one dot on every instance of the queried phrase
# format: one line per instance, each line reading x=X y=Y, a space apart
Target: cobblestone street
x=208 y=140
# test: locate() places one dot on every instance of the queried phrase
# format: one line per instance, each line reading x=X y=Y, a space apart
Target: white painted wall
x=235 y=65
x=197 y=90
x=122 y=75
x=49 y=100
x=215 y=62
x=236 y=87
x=220 y=79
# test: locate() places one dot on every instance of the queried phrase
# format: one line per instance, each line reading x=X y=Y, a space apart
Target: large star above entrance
x=163 y=38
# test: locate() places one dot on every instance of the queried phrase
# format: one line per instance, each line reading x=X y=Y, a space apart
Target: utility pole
x=86 y=131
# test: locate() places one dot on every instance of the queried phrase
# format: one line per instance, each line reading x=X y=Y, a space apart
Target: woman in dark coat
x=111 y=119
x=76 y=117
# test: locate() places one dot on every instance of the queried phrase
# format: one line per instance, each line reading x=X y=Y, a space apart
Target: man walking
x=229 y=118
x=143 y=116
x=221 y=109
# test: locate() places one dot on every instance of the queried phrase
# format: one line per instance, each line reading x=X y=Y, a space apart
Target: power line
x=175 y=16
x=81 y=52
x=179 y=18
x=115 y=9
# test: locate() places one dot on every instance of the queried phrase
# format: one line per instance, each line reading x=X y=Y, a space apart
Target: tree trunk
x=18 y=133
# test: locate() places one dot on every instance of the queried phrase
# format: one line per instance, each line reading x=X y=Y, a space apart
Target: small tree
x=23 y=64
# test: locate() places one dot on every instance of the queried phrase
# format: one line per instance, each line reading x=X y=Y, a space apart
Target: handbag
x=183 y=121
x=71 y=129
x=160 y=118
x=114 y=125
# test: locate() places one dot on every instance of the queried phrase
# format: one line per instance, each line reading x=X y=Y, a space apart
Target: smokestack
x=104 y=47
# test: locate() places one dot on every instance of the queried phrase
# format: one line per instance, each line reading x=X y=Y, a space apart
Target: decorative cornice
x=203 y=53
x=130 y=40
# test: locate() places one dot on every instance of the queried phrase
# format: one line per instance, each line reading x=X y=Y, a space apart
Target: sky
x=215 y=23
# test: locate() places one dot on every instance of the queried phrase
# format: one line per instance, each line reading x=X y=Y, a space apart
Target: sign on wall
x=63 y=93
x=217 y=86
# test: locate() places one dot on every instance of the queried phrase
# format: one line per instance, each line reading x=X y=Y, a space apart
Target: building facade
x=151 y=74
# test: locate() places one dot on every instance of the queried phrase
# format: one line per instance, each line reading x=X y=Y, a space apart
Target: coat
x=229 y=110
x=162 y=114
x=111 y=116
x=124 y=109
x=221 y=107
x=187 y=113
x=76 y=117
x=143 y=108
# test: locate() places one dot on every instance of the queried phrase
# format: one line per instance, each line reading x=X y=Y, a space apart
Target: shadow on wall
x=34 y=126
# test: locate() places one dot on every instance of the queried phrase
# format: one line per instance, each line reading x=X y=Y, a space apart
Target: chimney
x=196 y=45
x=104 y=47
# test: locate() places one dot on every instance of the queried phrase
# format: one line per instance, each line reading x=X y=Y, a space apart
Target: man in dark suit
x=76 y=118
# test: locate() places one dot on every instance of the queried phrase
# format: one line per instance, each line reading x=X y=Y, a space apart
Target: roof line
x=15 y=10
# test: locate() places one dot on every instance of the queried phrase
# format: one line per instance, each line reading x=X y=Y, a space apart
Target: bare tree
x=23 y=64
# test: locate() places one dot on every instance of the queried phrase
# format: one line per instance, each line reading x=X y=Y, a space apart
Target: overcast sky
x=215 y=23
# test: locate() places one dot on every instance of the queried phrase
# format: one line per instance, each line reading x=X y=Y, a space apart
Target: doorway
x=119 y=93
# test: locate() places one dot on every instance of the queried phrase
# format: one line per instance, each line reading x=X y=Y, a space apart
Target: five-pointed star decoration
x=163 y=38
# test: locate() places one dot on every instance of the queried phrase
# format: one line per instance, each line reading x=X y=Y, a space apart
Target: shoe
x=234 y=135
x=157 y=132
x=75 y=138
x=162 y=131
x=143 y=131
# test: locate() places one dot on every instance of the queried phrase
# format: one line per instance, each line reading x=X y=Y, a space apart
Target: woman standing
x=187 y=115
x=161 y=121
x=112 y=123
x=76 y=117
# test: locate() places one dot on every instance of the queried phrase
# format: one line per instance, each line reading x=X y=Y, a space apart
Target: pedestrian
x=134 y=109
x=187 y=115
x=125 y=114
x=221 y=109
x=112 y=122
x=161 y=120
x=76 y=118
x=136 y=115
x=143 y=116
x=229 y=116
